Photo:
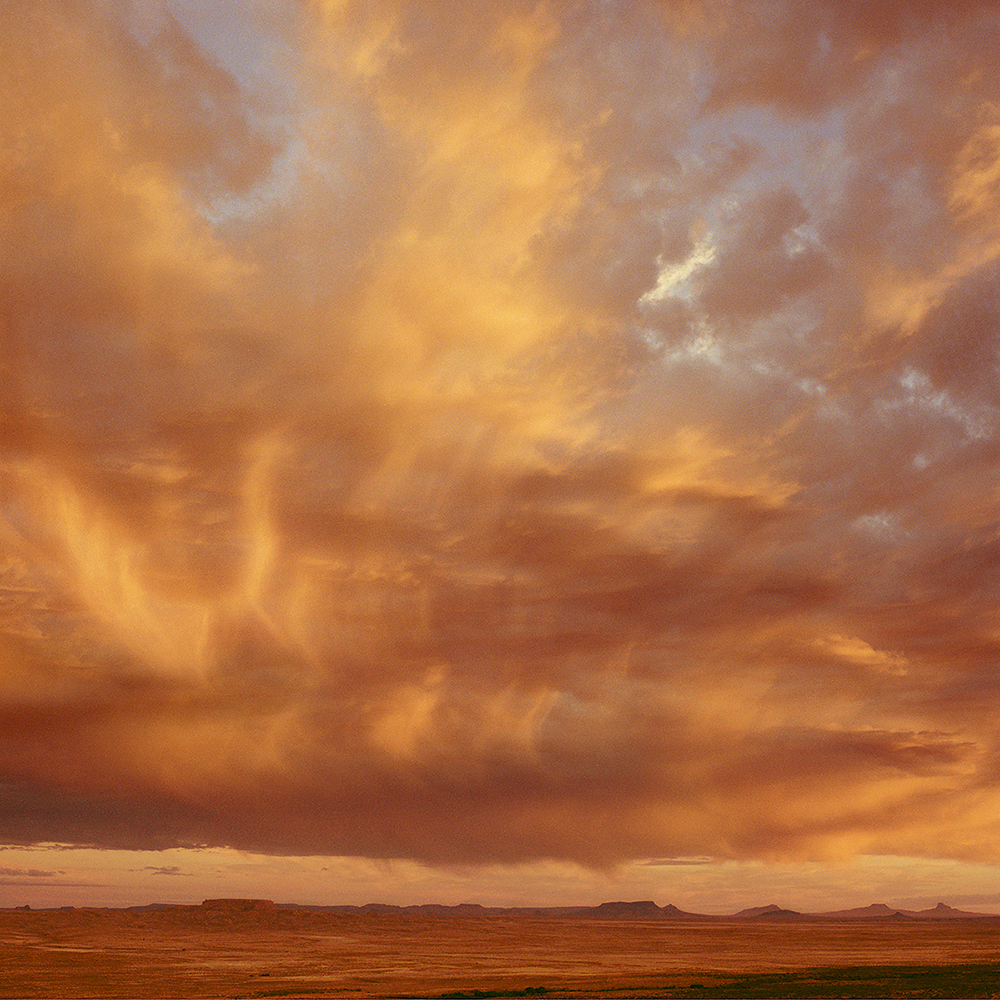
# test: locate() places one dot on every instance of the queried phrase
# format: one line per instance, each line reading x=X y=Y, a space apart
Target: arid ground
x=186 y=952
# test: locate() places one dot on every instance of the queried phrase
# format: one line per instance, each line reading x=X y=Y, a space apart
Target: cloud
x=165 y=870
x=806 y=59
x=558 y=432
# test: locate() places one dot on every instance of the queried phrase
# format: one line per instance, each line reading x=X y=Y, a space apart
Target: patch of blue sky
x=804 y=155
x=977 y=424
x=249 y=39
x=276 y=187
x=251 y=42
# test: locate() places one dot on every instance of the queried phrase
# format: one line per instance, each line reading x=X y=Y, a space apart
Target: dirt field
x=191 y=953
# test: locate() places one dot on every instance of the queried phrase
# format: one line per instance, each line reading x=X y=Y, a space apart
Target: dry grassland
x=191 y=953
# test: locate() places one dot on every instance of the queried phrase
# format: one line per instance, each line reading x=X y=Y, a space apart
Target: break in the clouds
x=166 y=870
x=483 y=433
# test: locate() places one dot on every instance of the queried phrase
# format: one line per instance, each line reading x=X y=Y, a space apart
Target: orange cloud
x=556 y=432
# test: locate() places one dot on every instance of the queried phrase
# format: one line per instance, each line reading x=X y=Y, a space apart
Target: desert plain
x=199 y=952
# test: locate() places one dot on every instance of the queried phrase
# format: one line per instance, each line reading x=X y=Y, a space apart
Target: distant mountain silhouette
x=672 y=913
x=240 y=905
x=468 y=909
x=640 y=910
x=771 y=911
x=643 y=909
x=876 y=911
x=879 y=911
x=944 y=912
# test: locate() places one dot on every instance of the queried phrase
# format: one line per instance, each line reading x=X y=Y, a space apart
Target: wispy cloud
x=556 y=430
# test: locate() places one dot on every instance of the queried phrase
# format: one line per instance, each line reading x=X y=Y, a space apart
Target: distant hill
x=880 y=911
x=944 y=912
x=643 y=909
x=876 y=911
x=672 y=913
x=770 y=912
x=239 y=905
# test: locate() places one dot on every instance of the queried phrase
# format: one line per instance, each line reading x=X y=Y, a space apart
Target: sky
x=538 y=452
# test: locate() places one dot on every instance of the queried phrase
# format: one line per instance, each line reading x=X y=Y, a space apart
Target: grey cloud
x=391 y=510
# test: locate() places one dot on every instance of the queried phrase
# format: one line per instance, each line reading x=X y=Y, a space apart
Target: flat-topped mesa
x=637 y=908
x=240 y=905
x=770 y=912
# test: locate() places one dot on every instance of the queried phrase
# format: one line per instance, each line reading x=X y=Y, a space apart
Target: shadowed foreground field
x=190 y=952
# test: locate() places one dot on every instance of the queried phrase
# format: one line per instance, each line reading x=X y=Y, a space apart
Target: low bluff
x=239 y=906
